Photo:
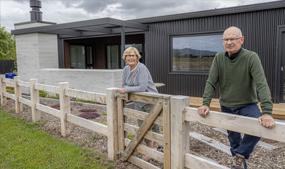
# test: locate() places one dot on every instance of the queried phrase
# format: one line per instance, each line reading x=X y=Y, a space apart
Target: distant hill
x=193 y=53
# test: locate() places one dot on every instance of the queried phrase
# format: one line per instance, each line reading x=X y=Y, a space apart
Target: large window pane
x=113 y=56
x=77 y=57
x=195 y=53
x=89 y=57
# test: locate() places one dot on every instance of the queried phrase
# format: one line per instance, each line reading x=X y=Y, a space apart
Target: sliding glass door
x=113 y=57
x=81 y=57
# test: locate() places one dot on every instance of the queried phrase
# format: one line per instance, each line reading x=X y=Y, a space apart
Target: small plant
x=84 y=101
x=43 y=93
x=56 y=96
x=130 y=136
x=10 y=90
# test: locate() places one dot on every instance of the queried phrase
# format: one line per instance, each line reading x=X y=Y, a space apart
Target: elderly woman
x=136 y=77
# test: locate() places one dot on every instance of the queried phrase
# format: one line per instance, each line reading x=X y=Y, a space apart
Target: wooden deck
x=278 y=109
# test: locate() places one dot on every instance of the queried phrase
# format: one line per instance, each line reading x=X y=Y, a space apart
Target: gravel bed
x=260 y=159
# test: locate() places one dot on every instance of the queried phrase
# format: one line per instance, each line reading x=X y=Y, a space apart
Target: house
x=177 y=49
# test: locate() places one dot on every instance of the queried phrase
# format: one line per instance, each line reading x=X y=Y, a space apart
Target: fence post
x=64 y=102
x=3 y=90
x=17 y=94
x=178 y=131
x=112 y=121
x=120 y=121
x=36 y=116
x=167 y=133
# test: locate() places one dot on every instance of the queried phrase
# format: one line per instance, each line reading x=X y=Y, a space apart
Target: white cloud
x=12 y=12
x=59 y=13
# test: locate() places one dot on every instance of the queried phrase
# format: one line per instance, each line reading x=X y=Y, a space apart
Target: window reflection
x=77 y=57
x=195 y=53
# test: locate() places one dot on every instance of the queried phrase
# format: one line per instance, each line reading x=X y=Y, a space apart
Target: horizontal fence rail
x=23 y=83
x=277 y=112
x=236 y=123
x=10 y=96
x=47 y=88
x=9 y=82
x=192 y=161
x=48 y=110
x=88 y=124
x=25 y=101
x=84 y=95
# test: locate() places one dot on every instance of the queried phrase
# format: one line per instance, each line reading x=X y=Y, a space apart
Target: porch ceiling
x=86 y=28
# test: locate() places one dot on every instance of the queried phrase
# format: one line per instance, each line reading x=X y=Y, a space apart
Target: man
x=242 y=82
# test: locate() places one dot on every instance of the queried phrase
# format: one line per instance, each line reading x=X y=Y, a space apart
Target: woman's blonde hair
x=131 y=50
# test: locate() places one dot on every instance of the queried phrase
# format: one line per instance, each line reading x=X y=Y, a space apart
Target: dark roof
x=214 y=12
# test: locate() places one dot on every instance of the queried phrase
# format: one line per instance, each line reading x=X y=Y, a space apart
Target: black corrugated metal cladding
x=258 y=27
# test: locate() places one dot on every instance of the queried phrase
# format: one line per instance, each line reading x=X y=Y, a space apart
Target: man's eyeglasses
x=230 y=39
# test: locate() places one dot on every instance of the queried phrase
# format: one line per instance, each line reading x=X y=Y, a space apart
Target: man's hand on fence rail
x=267 y=121
x=203 y=111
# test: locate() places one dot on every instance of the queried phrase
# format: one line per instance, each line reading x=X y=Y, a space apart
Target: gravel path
x=260 y=159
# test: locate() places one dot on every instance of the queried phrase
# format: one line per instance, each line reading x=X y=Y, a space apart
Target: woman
x=136 y=77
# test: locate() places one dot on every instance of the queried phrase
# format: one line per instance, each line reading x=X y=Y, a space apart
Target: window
x=113 y=57
x=195 y=53
x=81 y=57
x=77 y=57
x=89 y=57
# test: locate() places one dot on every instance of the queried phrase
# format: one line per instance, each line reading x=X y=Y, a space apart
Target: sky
x=62 y=11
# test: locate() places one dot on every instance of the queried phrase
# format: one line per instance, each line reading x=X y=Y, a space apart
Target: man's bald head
x=233 y=30
x=233 y=40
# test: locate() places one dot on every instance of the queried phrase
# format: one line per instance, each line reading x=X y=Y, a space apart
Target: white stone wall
x=96 y=80
x=27 y=55
x=48 y=51
x=35 y=51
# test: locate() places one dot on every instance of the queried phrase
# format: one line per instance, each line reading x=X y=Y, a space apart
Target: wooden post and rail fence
x=171 y=113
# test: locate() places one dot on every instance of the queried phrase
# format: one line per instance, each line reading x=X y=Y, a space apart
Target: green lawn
x=24 y=146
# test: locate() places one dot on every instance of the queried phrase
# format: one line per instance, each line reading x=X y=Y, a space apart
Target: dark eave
x=24 y=23
x=95 y=29
x=103 y=25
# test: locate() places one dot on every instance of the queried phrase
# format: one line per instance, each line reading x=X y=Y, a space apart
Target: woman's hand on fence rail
x=267 y=121
x=122 y=90
x=203 y=110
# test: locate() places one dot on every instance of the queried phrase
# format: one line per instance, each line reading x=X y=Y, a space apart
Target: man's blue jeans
x=243 y=146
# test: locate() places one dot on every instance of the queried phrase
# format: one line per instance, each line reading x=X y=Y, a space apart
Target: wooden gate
x=131 y=135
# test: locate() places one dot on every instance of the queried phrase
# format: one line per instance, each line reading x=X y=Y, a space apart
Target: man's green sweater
x=241 y=81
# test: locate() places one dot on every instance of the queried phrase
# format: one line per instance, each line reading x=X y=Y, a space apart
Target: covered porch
x=62 y=52
x=92 y=44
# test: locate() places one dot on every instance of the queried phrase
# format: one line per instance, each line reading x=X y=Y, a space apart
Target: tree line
x=7 y=45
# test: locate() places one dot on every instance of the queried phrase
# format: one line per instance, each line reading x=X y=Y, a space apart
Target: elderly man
x=242 y=82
